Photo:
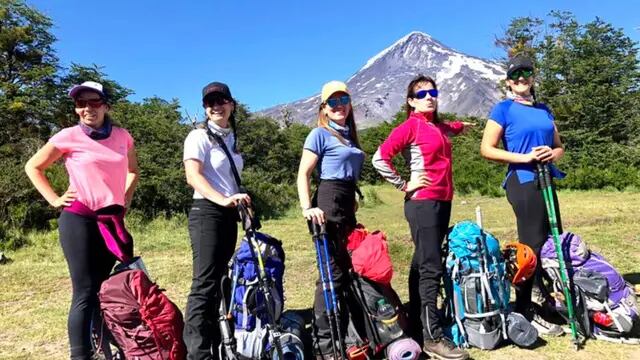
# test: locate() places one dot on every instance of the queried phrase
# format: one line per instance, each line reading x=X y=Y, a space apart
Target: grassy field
x=35 y=289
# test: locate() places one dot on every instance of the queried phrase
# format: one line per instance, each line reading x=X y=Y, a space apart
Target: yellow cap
x=331 y=88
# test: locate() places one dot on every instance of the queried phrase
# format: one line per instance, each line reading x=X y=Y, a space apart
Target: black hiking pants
x=337 y=200
x=90 y=263
x=428 y=221
x=533 y=230
x=213 y=231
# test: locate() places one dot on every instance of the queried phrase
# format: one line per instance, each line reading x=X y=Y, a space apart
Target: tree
x=158 y=131
x=28 y=68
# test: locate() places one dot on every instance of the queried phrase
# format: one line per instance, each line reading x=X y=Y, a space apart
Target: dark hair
x=410 y=94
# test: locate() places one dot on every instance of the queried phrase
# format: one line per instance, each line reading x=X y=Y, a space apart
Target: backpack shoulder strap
x=224 y=147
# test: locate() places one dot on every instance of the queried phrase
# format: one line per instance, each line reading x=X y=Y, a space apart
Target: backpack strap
x=217 y=138
x=245 y=310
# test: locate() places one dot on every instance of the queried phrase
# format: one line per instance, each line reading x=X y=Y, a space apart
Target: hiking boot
x=545 y=327
x=539 y=315
x=444 y=349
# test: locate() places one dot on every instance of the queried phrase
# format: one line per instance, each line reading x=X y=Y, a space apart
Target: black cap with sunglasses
x=217 y=88
x=519 y=62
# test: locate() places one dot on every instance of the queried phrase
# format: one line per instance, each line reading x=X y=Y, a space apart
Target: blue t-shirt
x=524 y=127
x=336 y=161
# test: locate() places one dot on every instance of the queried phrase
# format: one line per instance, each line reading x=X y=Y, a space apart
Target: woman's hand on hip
x=417 y=182
x=66 y=199
x=315 y=215
x=236 y=199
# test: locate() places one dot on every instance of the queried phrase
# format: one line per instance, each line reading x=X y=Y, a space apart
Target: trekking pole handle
x=315 y=229
x=540 y=174
x=547 y=174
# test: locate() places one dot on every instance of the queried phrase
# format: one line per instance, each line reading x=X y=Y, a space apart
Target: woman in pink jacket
x=424 y=142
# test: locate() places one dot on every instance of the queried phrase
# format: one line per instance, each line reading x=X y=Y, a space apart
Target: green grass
x=35 y=288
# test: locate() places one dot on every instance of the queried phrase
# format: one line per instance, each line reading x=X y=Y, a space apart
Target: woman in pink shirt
x=103 y=171
x=424 y=142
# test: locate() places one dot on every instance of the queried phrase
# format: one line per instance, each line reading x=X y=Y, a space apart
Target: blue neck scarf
x=342 y=130
x=98 y=134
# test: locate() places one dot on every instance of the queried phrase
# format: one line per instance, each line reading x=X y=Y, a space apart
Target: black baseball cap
x=216 y=87
x=519 y=62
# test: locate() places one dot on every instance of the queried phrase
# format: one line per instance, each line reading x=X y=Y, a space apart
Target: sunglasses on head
x=94 y=103
x=216 y=100
x=342 y=100
x=525 y=73
x=423 y=93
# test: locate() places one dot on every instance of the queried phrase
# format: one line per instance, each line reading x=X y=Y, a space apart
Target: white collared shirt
x=216 y=167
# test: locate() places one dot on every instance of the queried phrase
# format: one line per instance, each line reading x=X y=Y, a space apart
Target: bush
x=11 y=238
x=371 y=198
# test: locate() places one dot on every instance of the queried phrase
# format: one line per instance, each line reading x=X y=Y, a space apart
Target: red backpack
x=143 y=321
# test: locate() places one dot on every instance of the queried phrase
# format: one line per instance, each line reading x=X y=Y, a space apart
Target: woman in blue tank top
x=529 y=136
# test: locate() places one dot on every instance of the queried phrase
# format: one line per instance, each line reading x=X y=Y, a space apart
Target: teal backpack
x=476 y=287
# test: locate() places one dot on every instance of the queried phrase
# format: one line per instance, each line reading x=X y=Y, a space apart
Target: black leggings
x=533 y=228
x=337 y=200
x=90 y=263
x=428 y=221
x=213 y=230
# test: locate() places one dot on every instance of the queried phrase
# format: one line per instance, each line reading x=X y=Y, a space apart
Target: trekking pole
x=317 y=230
x=544 y=177
x=263 y=280
x=334 y=296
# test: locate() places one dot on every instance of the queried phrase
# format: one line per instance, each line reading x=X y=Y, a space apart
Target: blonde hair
x=323 y=122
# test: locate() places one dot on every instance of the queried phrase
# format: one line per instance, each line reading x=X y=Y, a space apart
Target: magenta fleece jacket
x=426 y=148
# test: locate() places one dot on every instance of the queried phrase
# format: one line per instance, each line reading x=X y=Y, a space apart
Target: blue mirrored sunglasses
x=342 y=100
x=423 y=93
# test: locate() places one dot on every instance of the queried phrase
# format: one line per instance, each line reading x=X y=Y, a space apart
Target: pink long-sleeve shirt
x=426 y=148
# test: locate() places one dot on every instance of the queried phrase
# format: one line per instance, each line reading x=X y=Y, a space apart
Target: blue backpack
x=248 y=305
x=476 y=287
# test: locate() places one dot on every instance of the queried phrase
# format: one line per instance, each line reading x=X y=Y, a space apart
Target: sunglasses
x=423 y=93
x=525 y=73
x=95 y=103
x=217 y=100
x=342 y=100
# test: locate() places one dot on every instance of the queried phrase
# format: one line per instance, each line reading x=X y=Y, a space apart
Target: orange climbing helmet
x=521 y=262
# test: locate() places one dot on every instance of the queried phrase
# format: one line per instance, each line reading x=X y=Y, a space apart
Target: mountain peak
x=407 y=38
x=468 y=85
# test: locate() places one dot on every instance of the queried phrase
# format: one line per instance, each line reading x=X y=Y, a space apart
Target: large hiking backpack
x=371 y=327
x=476 y=287
x=244 y=312
x=141 y=318
x=378 y=320
x=601 y=292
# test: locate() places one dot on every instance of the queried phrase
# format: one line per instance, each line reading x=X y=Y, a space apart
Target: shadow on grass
x=633 y=278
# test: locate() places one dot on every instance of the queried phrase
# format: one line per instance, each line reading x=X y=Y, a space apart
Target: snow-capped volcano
x=468 y=85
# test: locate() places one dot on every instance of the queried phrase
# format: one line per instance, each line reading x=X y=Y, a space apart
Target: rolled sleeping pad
x=403 y=349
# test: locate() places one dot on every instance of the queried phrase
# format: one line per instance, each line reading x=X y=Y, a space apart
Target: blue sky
x=271 y=52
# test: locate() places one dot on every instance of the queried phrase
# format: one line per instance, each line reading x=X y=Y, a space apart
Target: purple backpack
x=603 y=289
